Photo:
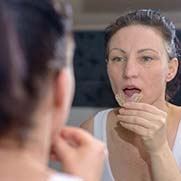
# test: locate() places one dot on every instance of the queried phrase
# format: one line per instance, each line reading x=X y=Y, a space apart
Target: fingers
x=139 y=117
x=78 y=152
x=147 y=121
x=145 y=133
x=136 y=113
x=143 y=119
x=69 y=139
x=77 y=135
x=60 y=150
x=135 y=128
x=73 y=141
x=135 y=121
x=144 y=107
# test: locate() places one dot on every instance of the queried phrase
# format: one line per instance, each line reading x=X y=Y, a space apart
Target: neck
x=36 y=148
x=161 y=103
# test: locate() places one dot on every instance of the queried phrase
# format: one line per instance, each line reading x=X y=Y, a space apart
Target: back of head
x=42 y=29
x=153 y=19
x=11 y=72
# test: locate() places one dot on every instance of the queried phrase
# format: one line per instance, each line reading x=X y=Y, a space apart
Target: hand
x=79 y=153
x=147 y=121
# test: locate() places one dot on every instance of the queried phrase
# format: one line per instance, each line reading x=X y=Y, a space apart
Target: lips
x=129 y=92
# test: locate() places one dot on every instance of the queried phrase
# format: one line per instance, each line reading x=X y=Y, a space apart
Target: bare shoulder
x=176 y=108
x=179 y=111
x=88 y=125
x=176 y=111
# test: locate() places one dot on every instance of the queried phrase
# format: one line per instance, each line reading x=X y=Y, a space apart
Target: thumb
x=61 y=149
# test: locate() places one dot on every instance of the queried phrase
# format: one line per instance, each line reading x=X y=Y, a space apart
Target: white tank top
x=99 y=131
x=64 y=177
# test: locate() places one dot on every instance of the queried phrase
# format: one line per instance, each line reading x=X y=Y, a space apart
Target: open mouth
x=129 y=92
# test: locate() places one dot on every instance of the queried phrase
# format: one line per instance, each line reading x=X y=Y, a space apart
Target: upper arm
x=88 y=125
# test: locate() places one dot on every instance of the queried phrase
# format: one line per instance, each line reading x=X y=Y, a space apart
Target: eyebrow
x=147 y=49
x=117 y=49
x=139 y=51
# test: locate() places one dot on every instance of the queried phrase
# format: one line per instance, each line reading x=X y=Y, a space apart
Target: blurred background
x=93 y=92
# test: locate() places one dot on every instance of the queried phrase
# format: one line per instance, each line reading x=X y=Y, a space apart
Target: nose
x=131 y=69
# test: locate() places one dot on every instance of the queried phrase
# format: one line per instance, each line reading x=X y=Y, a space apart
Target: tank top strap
x=63 y=177
x=99 y=125
x=177 y=147
x=99 y=131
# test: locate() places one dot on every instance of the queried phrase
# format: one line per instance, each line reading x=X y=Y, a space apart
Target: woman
x=36 y=92
x=142 y=135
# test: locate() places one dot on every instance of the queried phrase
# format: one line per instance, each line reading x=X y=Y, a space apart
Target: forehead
x=136 y=37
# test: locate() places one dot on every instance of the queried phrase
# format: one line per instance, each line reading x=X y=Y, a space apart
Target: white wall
x=99 y=20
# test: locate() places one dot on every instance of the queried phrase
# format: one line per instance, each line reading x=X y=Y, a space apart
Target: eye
x=117 y=59
x=146 y=58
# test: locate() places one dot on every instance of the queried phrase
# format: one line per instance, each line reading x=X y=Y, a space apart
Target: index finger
x=144 y=107
x=76 y=134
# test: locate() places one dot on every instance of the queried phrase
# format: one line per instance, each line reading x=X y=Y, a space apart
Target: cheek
x=115 y=78
x=161 y=74
x=156 y=79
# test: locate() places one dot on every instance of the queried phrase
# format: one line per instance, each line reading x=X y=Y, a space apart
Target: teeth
x=121 y=100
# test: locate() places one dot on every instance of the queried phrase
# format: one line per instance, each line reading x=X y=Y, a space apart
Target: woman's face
x=138 y=63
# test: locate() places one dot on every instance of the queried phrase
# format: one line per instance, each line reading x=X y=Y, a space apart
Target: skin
x=148 y=128
x=73 y=147
x=146 y=56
